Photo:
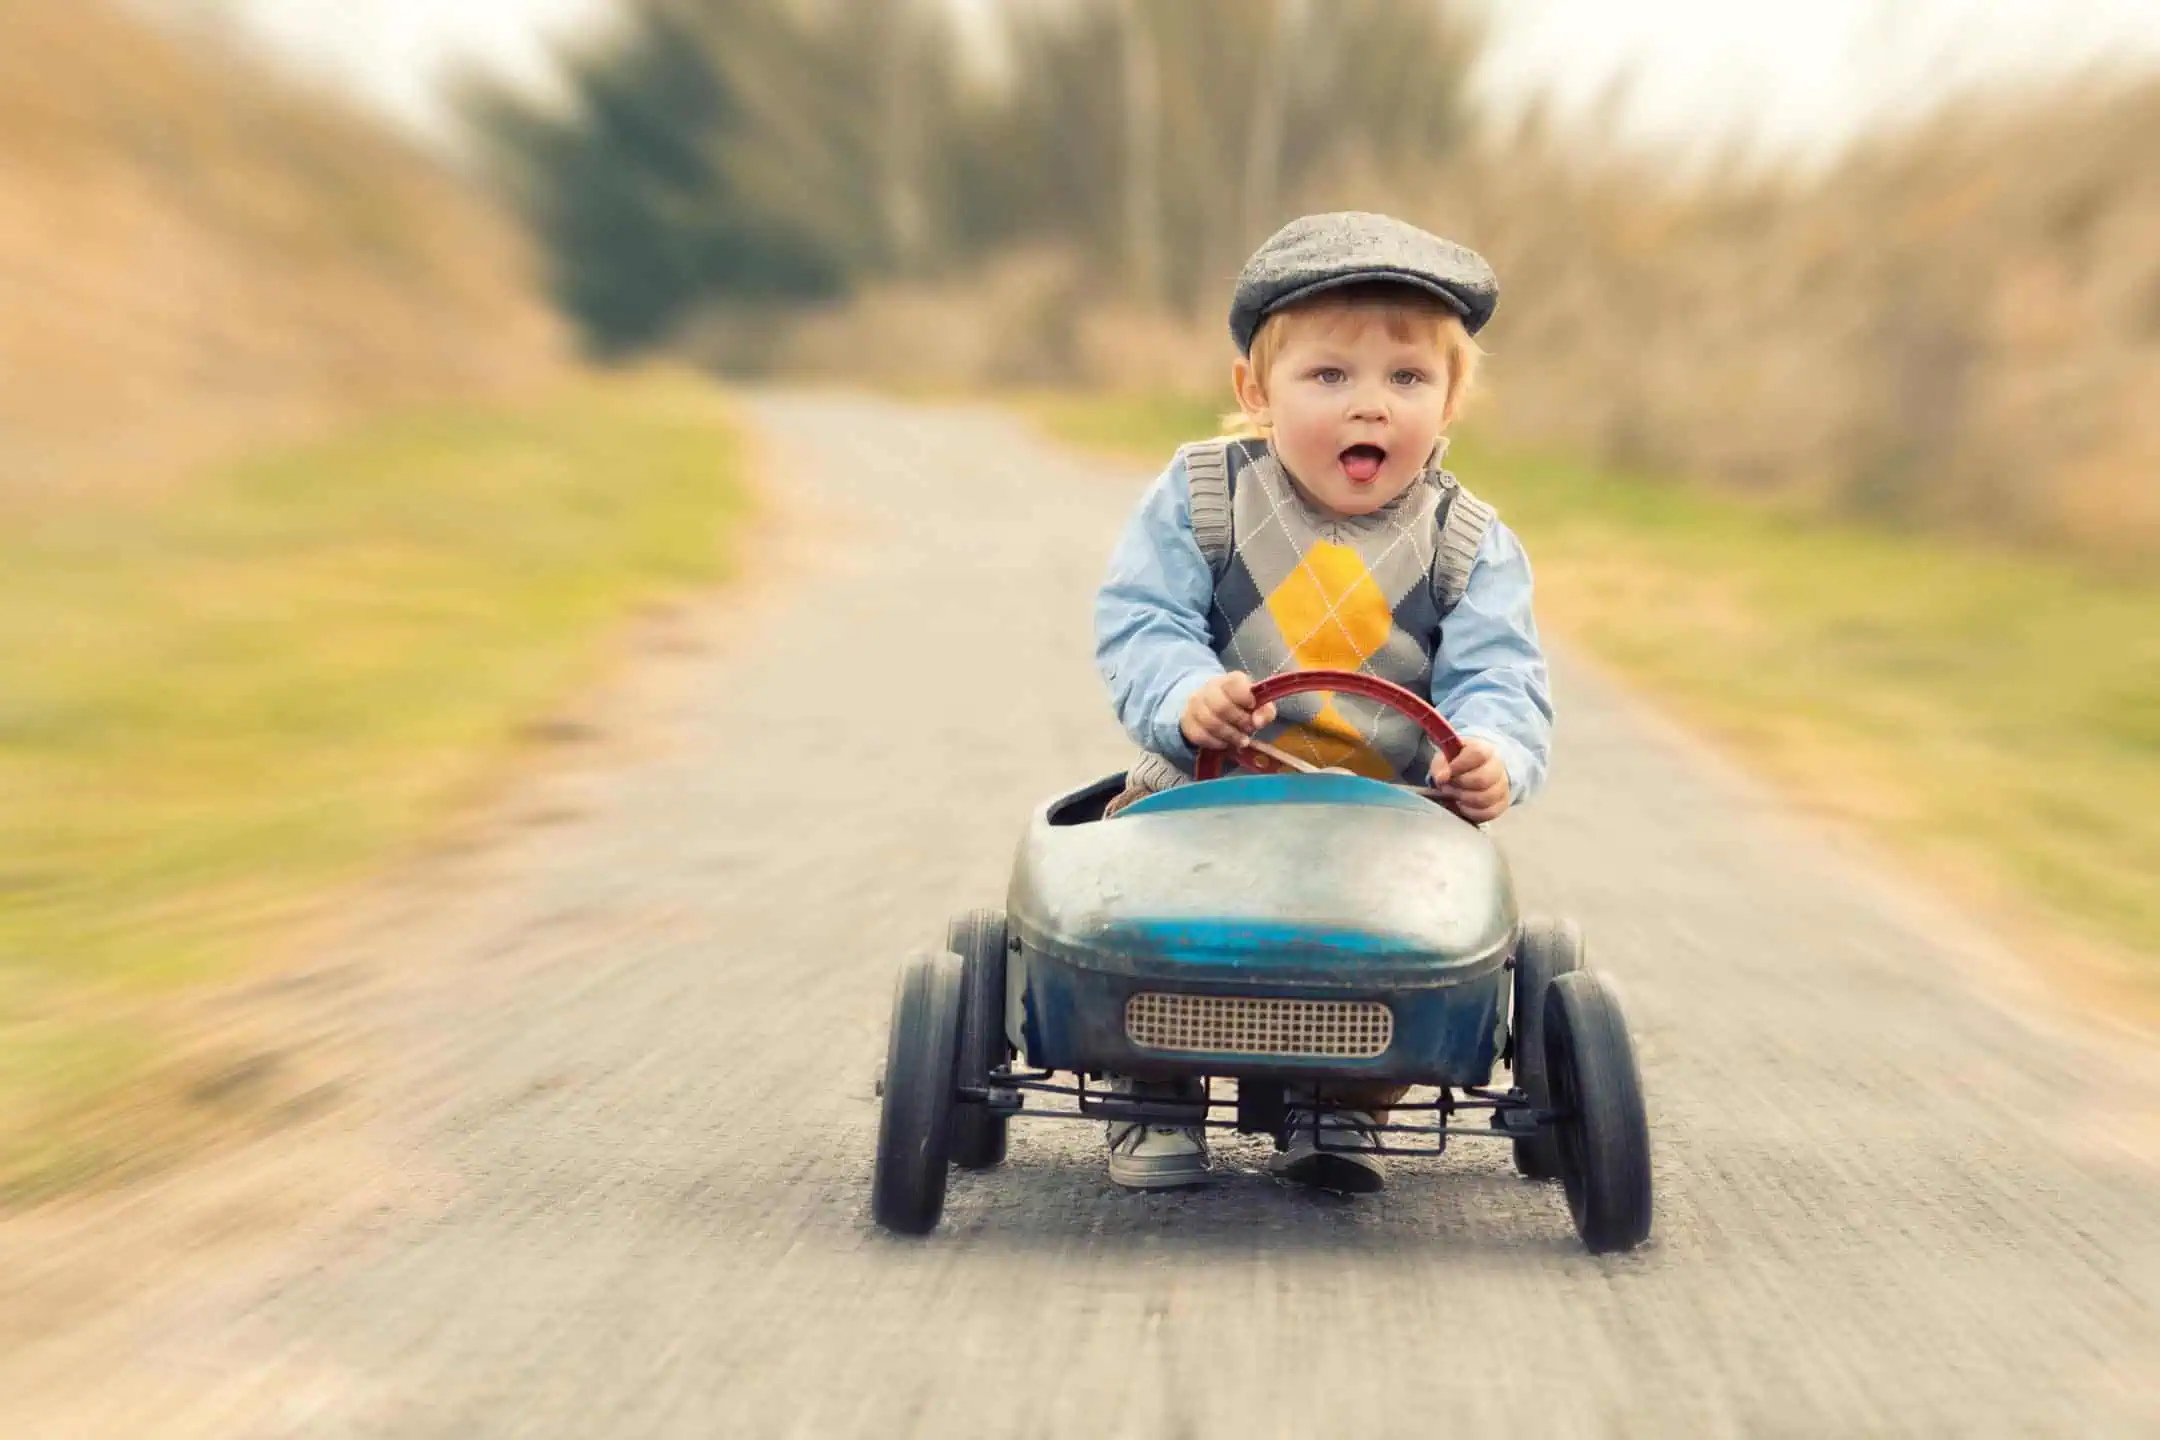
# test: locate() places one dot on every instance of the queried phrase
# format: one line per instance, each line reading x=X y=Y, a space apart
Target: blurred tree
x=629 y=186
x=778 y=149
x=1252 y=101
x=1143 y=152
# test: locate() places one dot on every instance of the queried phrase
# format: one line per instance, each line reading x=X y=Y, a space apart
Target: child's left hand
x=1477 y=781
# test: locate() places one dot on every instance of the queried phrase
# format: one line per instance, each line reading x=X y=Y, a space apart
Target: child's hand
x=1477 y=781
x=1221 y=713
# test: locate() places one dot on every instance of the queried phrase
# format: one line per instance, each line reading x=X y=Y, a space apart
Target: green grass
x=220 y=704
x=1144 y=428
x=1995 y=716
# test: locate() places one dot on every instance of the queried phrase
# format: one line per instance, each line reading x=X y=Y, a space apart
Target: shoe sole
x=1339 y=1173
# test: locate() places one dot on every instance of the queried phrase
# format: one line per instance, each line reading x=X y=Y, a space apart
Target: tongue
x=1361 y=464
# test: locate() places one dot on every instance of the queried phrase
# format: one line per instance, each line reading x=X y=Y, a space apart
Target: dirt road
x=614 y=1177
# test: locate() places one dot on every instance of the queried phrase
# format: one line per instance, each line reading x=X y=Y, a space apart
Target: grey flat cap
x=1326 y=252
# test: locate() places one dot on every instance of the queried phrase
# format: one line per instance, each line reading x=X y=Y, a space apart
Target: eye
x=1330 y=375
x=1409 y=377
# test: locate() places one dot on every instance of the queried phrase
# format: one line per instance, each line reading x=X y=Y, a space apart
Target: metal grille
x=1247 y=1025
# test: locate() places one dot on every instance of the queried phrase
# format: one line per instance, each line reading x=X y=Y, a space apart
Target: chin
x=1356 y=504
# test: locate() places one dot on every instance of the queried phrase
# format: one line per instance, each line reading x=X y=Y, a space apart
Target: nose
x=1369 y=402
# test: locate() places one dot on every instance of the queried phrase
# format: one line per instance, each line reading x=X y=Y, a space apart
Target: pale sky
x=1795 y=75
x=1800 y=75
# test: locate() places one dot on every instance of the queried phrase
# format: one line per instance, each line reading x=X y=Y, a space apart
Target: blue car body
x=1326 y=888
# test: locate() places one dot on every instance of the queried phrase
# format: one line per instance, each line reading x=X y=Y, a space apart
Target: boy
x=1328 y=538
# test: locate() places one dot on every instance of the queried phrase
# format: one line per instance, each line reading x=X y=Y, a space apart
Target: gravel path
x=617 y=1179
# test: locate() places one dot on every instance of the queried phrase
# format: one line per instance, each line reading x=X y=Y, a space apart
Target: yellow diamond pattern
x=1333 y=617
x=1330 y=739
x=1331 y=614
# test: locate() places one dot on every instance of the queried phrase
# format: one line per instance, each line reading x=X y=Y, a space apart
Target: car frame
x=1258 y=929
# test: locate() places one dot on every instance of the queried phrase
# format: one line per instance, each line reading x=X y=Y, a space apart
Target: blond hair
x=1408 y=313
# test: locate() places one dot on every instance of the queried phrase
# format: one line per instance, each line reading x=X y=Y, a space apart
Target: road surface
x=612 y=1174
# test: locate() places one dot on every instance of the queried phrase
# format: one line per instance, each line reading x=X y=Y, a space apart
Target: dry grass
x=1029 y=318
x=193 y=257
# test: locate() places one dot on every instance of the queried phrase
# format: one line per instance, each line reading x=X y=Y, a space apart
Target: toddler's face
x=1355 y=397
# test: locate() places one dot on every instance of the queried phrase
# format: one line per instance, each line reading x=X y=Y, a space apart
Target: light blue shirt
x=1152 y=642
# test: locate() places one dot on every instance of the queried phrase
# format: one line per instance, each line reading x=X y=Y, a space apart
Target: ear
x=1251 y=394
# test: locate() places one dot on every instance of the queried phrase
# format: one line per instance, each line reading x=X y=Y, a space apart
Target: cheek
x=1301 y=425
x=1432 y=402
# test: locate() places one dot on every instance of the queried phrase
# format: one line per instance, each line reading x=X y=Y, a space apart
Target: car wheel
x=1548 y=949
x=1603 y=1132
x=907 y=1191
x=978 y=938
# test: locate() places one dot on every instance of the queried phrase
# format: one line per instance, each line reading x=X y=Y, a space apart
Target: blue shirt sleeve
x=1151 y=618
x=1489 y=676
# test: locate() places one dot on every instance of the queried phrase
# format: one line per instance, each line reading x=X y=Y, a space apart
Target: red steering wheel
x=1403 y=702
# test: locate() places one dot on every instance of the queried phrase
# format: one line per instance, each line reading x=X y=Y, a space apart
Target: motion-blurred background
x=363 y=364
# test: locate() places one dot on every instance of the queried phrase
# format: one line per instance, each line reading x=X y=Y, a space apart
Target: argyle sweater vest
x=1299 y=589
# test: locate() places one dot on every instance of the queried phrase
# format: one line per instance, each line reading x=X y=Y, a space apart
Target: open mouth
x=1362 y=463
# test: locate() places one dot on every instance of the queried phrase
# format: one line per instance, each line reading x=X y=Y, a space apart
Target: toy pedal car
x=1276 y=930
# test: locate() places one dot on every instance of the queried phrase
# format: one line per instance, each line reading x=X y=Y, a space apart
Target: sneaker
x=1151 y=1155
x=1332 y=1151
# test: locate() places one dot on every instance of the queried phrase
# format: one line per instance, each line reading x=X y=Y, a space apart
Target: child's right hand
x=1221 y=713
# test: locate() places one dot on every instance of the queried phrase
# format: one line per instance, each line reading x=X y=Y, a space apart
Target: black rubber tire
x=1548 y=949
x=907 y=1192
x=1604 y=1133
x=978 y=938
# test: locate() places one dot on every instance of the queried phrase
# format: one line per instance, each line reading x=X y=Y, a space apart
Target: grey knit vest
x=1299 y=589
